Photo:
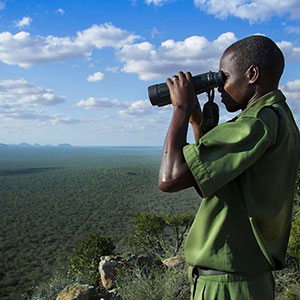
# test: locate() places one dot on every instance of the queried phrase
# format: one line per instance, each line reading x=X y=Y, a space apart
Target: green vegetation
x=51 y=198
x=49 y=289
x=288 y=279
x=157 y=284
x=160 y=235
x=54 y=200
x=294 y=242
x=86 y=255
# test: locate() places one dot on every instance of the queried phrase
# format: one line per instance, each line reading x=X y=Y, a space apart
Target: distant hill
x=35 y=145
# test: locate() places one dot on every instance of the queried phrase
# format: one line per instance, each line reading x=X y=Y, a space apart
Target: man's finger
x=169 y=83
x=181 y=75
x=188 y=76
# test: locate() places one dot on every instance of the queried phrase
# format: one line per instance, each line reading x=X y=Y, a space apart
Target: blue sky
x=77 y=71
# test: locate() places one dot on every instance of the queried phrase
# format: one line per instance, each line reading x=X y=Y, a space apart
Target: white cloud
x=155 y=32
x=59 y=119
x=157 y=2
x=25 y=22
x=20 y=100
x=21 y=92
x=105 y=35
x=292 y=29
x=25 y=50
x=251 y=10
x=27 y=114
x=290 y=52
x=22 y=114
x=97 y=76
x=195 y=54
x=60 y=11
x=291 y=90
x=138 y=108
x=113 y=69
x=100 y=103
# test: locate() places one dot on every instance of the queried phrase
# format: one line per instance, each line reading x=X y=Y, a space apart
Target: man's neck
x=258 y=94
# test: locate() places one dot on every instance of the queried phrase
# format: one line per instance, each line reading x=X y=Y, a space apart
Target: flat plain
x=52 y=197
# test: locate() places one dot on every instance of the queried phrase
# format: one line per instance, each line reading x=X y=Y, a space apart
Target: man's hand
x=182 y=92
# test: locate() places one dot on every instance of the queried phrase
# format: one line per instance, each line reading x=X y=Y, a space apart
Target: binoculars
x=159 y=93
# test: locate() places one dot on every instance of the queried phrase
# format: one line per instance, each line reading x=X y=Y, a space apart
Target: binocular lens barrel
x=159 y=93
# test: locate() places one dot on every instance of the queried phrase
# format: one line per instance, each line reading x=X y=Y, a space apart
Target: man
x=245 y=170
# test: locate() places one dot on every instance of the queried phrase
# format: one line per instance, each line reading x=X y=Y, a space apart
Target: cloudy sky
x=77 y=71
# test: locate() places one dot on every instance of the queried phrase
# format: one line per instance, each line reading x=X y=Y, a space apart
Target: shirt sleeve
x=226 y=151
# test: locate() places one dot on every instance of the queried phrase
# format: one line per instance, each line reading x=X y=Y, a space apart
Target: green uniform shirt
x=246 y=171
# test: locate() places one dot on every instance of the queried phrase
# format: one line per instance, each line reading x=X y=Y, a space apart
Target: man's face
x=235 y=92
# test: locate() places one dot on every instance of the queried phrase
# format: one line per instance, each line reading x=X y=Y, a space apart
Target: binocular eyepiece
x=159 y=93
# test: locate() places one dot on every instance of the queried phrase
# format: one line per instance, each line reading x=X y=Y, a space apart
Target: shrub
x=86 y=257
x=154 y=284
x=51 y=288
x=159 y=235
x=288 y=279
x=294 y=242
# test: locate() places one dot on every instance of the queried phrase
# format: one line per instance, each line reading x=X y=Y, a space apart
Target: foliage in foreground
x=157 y=283
x=160 y=235
x=86 y=257
x=50 y=289
x=288 y=279
x=294 y=242
x=152 y=235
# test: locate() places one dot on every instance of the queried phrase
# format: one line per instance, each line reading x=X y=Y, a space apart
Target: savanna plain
x=53 y=197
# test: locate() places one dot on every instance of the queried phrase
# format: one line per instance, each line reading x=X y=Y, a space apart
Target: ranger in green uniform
x=244 y=169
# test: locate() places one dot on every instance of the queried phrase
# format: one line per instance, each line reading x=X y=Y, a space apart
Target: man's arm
x=174 y=174
x=195 y=121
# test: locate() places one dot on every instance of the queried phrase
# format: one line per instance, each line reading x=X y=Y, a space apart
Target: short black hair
x=260 y=51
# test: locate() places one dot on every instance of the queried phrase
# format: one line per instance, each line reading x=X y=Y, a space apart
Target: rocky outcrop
x=107 y=270
x=76 y=292
x=112 y=266
x=109 y=265
x=172 y=262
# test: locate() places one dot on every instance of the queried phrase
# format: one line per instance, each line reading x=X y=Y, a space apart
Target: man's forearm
x=174 y=173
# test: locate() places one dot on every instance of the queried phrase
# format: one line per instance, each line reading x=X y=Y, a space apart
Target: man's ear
x=253 y=74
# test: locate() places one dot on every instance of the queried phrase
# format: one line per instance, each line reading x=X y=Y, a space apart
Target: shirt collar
x=266 y=100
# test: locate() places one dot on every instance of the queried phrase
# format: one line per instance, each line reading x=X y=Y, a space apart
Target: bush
x=294 y=242
x=51 y=288
x=154 y=284
x=86 y=257
x=159 y=235
x=288 y=279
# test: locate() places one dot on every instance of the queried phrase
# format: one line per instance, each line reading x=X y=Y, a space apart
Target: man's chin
x=230 y=108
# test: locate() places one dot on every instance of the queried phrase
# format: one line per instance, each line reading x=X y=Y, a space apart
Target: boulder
x=76 y=292
x=107 y=270
x=172 y=262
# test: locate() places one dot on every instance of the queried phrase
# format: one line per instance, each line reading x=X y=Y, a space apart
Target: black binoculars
x=159 y=93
